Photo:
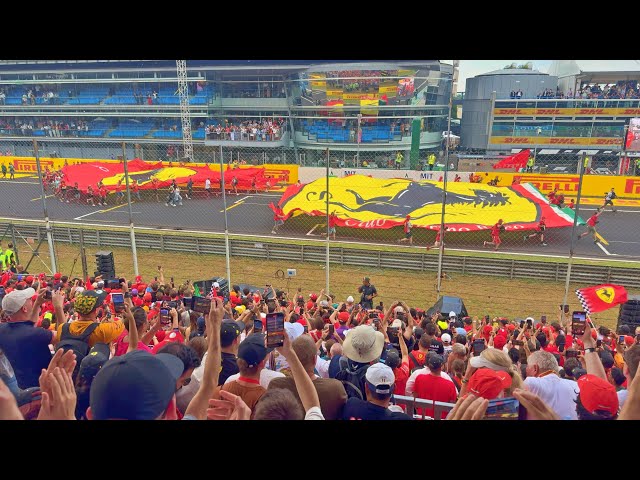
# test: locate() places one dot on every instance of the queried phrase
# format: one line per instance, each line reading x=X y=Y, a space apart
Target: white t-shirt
x=422 y=371
x=559 y=393
x=322 y=367
x=266 y=376
x=207 y=183
x=314 y=413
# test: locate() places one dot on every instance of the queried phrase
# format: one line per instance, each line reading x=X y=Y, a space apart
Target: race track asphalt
x=250 y=214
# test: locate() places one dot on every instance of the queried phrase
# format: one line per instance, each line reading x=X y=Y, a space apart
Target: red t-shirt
x=118 y=187
x=103 y=192
x=495 y=230
x=278 y=214
x=436 y=388
x=135 y=187
x=332 y=221
x=421 y=357
x=592 y=221
x=402 y=375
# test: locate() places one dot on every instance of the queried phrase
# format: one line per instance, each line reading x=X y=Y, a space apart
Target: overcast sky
x=471 y=68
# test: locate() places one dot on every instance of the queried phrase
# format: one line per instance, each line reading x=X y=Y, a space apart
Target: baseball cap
x=452 y=314
x=343 y=316
x=94 y=361
x=489 y=383
x=324 y=303
x=399 y=309
x=499 y=341
x=88 y=301
x=349 y=299
x=229 y=330
x=29 y=279
x=434 y=361
x=294 y=330
x=446 y=338
x=252 y=349
x=57 y=276
x=380 y=378
x=629 y=340
x=14 y=301
x=397 y=323
x=597 y=394
x=461 y=331
x=313 y=296
x=393 y=358
x=135 y=386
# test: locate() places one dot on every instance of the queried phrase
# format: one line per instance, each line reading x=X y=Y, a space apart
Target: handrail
x=412 y=403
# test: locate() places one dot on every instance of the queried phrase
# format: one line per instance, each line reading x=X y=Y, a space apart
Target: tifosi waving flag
x=517 y=161
x=601 y=297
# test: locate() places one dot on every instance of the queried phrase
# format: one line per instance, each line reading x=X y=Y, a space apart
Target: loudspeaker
x=105 y=265
x=630 y=313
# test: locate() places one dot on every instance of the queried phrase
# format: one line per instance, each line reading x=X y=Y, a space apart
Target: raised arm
x=592 y=360
x=304 y=385
x=133 y=330
x=212 y=366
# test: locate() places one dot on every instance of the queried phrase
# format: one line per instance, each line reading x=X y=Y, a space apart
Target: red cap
x=487 y=383
x=142 y=287
x=138 y=302
x=629 y=340
x=597 y=394
x=343 y=316
x=511 y=327
x=499 y=341
x=487 y=329
x=147 y=297
x=29 y=279
x=139 y=279
x=171 y=336
x=302 y=322
x=310 y=305
x=594 y=334
x=313 y=296
x=160 y=334
x=57 y=276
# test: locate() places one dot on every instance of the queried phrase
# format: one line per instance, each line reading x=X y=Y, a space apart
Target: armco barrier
x=265 y=248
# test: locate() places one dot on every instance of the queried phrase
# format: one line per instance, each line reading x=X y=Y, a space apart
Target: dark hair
x=607 y=359
x=424 y=342
x=430 y=329
x=583 y=414
x=624 y=330
x=46 y=323
x=246 y=291
x=570 y=364
x=603 y=330
x=514 y=355
x=617 y=376
x=140 y=316
x=461 y=339
x=199 y=345
x=187 y=354
x=631 y=359
x=542 y=338
x=278 y=404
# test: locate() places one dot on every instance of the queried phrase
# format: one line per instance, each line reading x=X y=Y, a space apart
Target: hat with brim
x=363 y=344
x=14 y=301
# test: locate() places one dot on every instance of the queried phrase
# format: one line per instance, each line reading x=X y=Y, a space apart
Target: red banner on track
x=110 y=174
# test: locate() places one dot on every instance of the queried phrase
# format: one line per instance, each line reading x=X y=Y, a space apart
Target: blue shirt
x=27 y=348
x=356 y=409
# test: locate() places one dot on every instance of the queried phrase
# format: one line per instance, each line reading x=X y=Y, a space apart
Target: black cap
x=94 y=360
x=434 y=361
x=393 y=359
x=252 y=349
x=229 y=331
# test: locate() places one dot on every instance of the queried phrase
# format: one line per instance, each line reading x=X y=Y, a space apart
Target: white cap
x=349 y=299
x=399 y=309
x=397 y=323
x=216 y=284
x=294 y=330
x=446 y=338
x=452 y=314
x=381 y=376
x=14 y=301
x=79 y=289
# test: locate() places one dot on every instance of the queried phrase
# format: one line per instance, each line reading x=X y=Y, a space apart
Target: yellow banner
x=388 y=89
x=369 y=103
x=567 y=184
x=361 y=96
x=566 y=112
x=334 y=93
x=559 y=141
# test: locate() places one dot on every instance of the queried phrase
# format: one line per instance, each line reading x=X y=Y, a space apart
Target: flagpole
x=573 y=230
x=227 y=253
x=327 y=254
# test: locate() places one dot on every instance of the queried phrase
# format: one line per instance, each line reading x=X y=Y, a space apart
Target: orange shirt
x=106 y=332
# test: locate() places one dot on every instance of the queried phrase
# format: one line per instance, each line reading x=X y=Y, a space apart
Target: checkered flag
x=583 y=301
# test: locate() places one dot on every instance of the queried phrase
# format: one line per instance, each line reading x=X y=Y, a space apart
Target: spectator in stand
x=433 y=386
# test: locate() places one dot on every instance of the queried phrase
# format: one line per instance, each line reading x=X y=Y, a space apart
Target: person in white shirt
x=543 y=380
x=421 y=371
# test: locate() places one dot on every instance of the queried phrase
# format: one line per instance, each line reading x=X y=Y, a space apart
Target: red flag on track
x=601 y=297
x=517 y=161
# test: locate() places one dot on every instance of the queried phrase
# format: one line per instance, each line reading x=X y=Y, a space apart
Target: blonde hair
x=502 y=359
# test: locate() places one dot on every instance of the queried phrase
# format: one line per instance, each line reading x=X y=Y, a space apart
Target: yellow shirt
x=105 y=333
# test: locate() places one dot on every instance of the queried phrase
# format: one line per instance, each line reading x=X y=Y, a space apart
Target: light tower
x=185 y=115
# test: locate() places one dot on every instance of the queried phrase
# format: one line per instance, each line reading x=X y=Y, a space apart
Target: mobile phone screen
x=165 y=319
x=543 y=319
x=275 y=329
x=578 y=322
x=621 y=339
x=505 y=409
x=201 y=304
x=118 y=301
x=478 y=346
x=257 y=326
x=566 y=308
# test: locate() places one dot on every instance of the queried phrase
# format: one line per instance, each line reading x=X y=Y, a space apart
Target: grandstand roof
x=513 y=71
x=589 y=68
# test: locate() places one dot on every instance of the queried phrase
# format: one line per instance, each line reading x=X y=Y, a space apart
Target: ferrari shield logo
x=606 y=294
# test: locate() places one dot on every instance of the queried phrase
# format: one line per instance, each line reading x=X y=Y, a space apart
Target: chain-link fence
x=376 y=218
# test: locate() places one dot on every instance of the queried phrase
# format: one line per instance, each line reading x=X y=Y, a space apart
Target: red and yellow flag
x=601 y=297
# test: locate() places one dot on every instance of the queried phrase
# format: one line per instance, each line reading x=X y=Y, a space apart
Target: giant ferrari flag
x=517 y=161
x=601 y=297
x=364 y=202
x=110 y=174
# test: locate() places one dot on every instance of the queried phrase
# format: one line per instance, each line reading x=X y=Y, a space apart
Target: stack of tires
x=630 y=312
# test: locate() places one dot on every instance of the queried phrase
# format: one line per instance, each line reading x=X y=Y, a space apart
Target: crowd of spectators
x=51 y=128
x=116 y=349
x=265 y=130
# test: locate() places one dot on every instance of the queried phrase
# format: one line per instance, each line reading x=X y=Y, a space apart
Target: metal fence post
x=52 y=252
x=15 y=244
x=227 y=252
x=132 y=232
x=327 y=219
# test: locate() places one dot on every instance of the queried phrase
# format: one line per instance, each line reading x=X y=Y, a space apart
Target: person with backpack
x=84 y=333
x=609 y=197
x=362 y=346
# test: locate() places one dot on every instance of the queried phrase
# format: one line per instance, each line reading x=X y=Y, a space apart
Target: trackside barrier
x=266 y=249
x=411 y=403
